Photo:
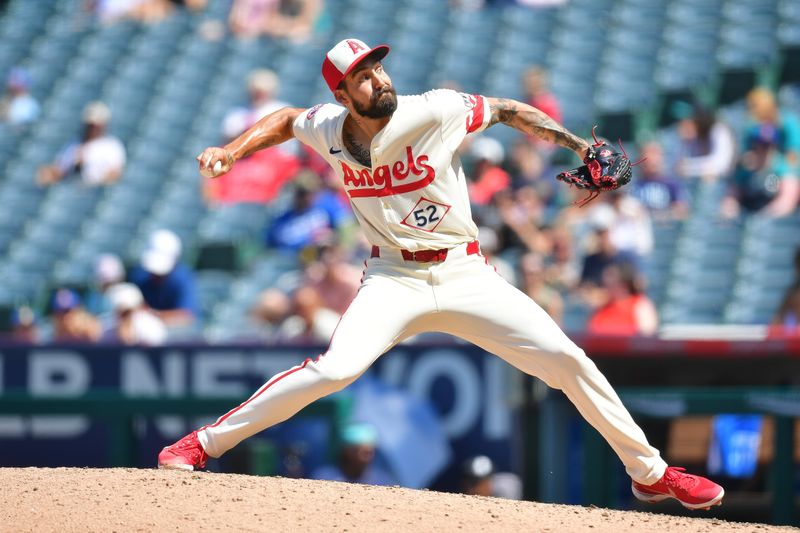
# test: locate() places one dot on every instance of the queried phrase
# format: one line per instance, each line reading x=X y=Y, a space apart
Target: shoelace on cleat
x=676 y=478
x=183 y=445
x=186 y=444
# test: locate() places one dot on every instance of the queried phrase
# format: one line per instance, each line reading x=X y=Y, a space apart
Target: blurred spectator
x=18 y=107
x=312 y=312
x=108 y=271
x=356 y=459
x=787 y=318
x=98 y=158
x=489 y=247
x=259 y=177
x=289 y=19
x=311 y=322
x=606 y=253
x=479 y=478
x=71 y=322
x=627 y=309
x=168 y=285
x=467 y=5
x=248 y=17
x=767 y=177
x=541 y=3
x=335 y=280
x=562 y=268
x=312 y=219
x=271 y=311
x=529 y=169
x=133 y=323
x=534 y=284
x=147 y=11
x=537 y=93
x=522 y=214
x=476 y=478
x=629 y=223
x=24 y=326
x=707 y=145
x=487 y=176
x=664 y=195
x=262 y=88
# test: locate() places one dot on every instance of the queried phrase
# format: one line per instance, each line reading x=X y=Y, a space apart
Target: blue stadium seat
x=212 y=288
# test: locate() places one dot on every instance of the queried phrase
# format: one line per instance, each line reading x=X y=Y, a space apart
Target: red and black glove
x=604 y=169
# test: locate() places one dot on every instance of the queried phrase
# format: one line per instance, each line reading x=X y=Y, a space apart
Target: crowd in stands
x=294 y=20
x=159 y=296
x=530 y=228
x=282 y=19
x=147 y=11
x=554 y=251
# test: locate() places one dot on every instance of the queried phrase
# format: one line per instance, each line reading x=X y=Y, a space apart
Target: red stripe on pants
x=259 y=393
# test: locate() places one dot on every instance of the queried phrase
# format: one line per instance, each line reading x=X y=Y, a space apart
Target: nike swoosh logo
x=334 y=152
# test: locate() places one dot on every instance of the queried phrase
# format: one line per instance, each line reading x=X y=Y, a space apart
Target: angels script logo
x=399 y=177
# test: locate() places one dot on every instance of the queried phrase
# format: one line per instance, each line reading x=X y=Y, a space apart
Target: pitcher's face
x=368 y=90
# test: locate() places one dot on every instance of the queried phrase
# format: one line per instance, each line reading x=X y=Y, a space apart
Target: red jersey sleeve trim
x=478 y=117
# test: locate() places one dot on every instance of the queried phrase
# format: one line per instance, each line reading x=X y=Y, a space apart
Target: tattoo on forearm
x=503 y=111
x=533 y=122
x=358 y=151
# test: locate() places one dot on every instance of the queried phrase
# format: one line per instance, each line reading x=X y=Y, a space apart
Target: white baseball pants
x=462 y=296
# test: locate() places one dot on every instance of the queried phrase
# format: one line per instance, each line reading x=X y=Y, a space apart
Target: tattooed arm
x=531 y=121
x=273 y=129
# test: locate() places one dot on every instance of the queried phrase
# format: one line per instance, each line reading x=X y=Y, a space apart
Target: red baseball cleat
x=694 y=492
x=186 y=454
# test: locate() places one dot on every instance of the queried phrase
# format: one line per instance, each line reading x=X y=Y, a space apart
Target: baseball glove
x=604 y=169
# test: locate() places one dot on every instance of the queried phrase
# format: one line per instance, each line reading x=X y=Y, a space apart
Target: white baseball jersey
x=415 y=195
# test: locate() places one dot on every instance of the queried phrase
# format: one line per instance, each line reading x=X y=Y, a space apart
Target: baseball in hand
x=211 y=172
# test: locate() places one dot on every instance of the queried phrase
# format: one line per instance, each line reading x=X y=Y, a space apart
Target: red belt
x=429 y=256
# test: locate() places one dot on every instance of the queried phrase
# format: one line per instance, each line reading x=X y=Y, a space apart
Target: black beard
x=380 y=107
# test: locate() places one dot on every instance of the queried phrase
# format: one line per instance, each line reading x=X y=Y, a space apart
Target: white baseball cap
x=487 y=148
x=162 y=252
x=96 y=113
x=263 y=80
x=343 y=58
x=125 y=297
x=109 y=269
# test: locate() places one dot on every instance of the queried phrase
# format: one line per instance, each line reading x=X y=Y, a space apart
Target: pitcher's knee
x=573 y=361
x=335 y=379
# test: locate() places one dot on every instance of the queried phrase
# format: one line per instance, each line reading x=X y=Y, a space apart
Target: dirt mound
x=73 y=499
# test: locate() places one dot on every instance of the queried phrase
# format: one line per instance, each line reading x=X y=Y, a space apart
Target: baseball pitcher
x=396 y=158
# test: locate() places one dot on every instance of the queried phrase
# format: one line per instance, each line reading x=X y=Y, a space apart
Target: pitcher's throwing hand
x=214 y=162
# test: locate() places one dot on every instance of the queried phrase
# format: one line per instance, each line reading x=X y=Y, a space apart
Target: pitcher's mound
x=75 y=499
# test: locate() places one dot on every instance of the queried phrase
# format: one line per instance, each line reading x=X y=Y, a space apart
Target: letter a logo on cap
x=345 y=56
x=355 y=46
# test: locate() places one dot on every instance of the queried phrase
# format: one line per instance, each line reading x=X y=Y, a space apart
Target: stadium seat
x=212 y=287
